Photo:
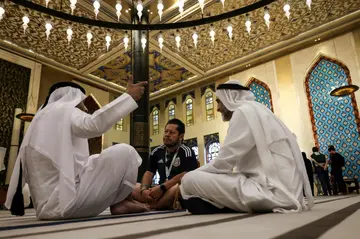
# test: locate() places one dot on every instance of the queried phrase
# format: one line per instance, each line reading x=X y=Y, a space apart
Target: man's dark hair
x=315 y=149
x=331 y=148
x=180 y=125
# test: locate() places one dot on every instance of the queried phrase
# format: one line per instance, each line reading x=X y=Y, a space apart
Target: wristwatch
x=163 y=188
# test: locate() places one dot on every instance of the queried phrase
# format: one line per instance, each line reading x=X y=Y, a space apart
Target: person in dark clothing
x=321 y=170
x=337 y=161
x=309 y=171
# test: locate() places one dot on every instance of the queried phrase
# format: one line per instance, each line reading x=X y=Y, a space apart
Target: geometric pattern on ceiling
x=334 y=118
x=162 y=71
x=207 y=56
x=76 y=54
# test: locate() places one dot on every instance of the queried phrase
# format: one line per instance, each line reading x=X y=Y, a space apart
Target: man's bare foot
x=129 y=206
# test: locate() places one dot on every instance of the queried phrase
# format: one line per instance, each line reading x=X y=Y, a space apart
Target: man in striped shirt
x=172 y=160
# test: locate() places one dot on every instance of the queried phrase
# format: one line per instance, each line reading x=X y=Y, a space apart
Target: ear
x=181 y=137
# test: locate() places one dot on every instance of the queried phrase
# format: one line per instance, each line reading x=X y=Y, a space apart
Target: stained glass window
x=189 y=112
x=212 y=151
x=120 y=125
x=261 y=92
x=209 y=105
x=171 y=111
x=155 y=123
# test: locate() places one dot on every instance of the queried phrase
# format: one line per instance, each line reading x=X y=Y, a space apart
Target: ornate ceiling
x=171 y=66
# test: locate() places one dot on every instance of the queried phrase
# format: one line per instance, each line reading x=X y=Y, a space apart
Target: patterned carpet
x=332 y=217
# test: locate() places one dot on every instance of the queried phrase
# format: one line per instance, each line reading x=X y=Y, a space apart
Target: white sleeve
x=84 y=125
x=238 y=142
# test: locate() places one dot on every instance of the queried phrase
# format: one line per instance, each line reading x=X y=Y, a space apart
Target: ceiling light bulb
x=181 y=7
x=69 y=33
x=118 y=8
x=2 y=12
x=89 y=36
x=48 y=28
x=160 y=8
x=212 y=36
x=195 y=38
x=143 y=43
x=267 y=17
x=308 y=3
x=223 y=3
x=47 y=3
x=108 y=40
x=230 y=30
x=178 y=39
x=202 y=5
x=126 y=42
x=139 y=8
x=96 y=5
x=26 y=20
x=287 y=10
x=73 y=6
x=161 y=42
x=248 y=25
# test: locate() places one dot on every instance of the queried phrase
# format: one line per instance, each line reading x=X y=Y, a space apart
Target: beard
x=226 y=116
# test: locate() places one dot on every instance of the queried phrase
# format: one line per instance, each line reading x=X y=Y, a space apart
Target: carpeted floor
x=332 y=217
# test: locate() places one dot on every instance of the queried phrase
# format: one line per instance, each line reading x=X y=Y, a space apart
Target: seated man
x=259 y=167
x=172 y=160
x=64 y=180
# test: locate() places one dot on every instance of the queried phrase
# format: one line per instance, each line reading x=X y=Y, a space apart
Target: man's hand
x=145 y=194
x=156 y=193
x=135 y=90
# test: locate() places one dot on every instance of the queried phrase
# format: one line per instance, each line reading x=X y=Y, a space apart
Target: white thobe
x=250 y=174
x=99 y=181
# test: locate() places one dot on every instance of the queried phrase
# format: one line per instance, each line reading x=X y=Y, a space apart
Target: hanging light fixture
x=267 y=17
x=202 y=5
x=143 y=42
x=2 y=12
x=248 y=23
x=287 y=10
x=195 y=38
x=89 y=36
x=126 y=41
x=230 y=30
x=73 y=6
x=223 y=3
x=181 y=6
x=161 y=41
x=139 y=8
x=160 y=8
x=108 y=40
x=48 y=28
x=177 y=40
x=69 y=33
x=308 y=3
x=212 y=34
x=25 y=20
x=96 y=5
x=47 y=3
x=118 y=8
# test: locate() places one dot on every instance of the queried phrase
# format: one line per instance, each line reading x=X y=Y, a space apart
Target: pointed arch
x=261 y=91
x=335 y=121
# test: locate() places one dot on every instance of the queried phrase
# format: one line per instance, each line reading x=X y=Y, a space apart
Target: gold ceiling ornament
x=344 y=90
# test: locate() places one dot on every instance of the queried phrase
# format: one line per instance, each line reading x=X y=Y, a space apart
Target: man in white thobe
x=64 y=180
x=259 y=167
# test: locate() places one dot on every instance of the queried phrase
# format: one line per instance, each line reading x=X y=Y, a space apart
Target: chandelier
x=138 y=10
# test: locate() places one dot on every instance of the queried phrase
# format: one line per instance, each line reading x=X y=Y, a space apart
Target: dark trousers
x=339 y=184
x=325 y=182
x=199 y=206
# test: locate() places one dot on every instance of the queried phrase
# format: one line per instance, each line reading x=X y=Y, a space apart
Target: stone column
x=139 y=126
